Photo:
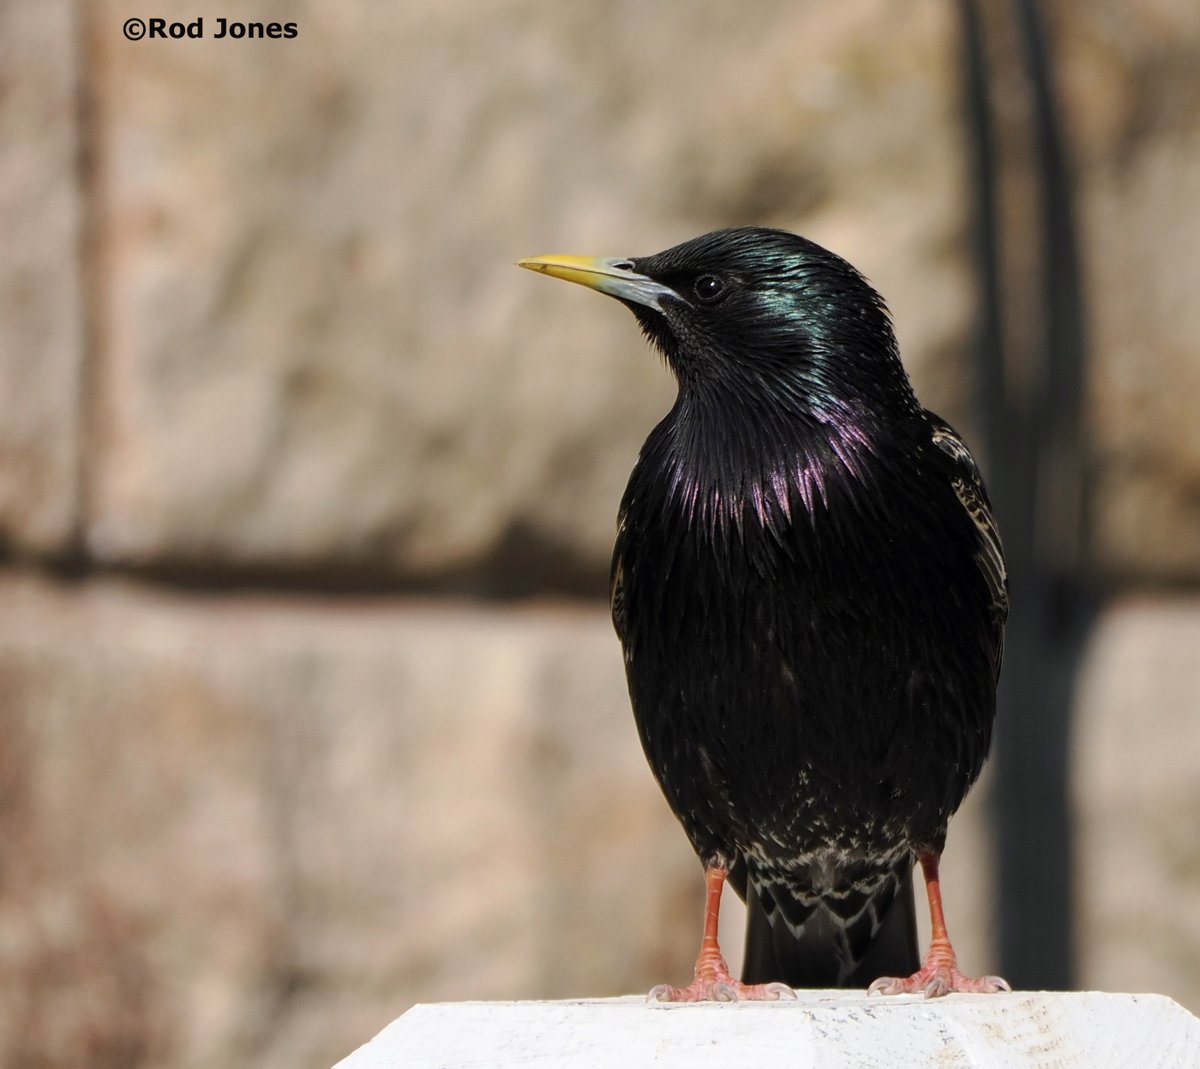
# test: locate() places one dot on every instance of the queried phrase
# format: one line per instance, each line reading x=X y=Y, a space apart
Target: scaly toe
x=985 y=985
x=891 y=985
x=935 y=983
x=939 y=985
x=720 y=989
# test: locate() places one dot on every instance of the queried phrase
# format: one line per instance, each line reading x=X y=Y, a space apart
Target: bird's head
x=756 y=311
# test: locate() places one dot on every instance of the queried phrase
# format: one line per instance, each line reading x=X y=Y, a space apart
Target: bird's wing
x=616 y=588
x=971 y=493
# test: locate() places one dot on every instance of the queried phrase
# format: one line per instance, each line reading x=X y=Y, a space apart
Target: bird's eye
x=709 y=288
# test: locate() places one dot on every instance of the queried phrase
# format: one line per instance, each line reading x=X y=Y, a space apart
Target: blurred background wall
x=309 y=704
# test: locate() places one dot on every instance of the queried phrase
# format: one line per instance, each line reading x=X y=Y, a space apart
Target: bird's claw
x=934 y=982
x=720 y=989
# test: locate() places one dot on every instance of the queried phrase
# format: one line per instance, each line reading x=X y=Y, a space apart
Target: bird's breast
x=795 y=631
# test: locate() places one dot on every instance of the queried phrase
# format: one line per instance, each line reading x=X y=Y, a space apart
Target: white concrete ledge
x=1022 y=1030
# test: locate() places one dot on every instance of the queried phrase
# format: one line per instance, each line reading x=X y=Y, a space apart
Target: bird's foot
x=938 y=976
x=713 y=983
x=933 y=983
x=726 y=990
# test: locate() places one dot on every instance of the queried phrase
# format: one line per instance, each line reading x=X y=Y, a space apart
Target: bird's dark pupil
x=708 y=287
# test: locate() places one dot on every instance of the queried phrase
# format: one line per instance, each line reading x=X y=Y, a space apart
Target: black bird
x=810 y=591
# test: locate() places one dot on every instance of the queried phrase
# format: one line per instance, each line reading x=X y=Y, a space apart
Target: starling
x=810 y=592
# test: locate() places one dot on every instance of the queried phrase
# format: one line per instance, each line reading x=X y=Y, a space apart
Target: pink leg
x=712 y=979
x=939 y=973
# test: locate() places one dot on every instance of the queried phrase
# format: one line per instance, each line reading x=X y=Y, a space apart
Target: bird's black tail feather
x=815 y=957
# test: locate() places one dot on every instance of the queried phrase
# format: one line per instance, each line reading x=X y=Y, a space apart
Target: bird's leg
x=938 y=974
x=713 y=981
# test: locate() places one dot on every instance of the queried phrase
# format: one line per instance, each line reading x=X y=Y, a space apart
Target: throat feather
x=721 y=480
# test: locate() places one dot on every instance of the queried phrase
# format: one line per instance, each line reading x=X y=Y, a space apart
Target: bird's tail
x=824 y=952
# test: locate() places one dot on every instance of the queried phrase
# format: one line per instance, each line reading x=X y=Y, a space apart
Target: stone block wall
x=309 y=705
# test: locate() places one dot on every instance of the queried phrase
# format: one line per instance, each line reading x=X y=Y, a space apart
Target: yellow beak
x=613 y=275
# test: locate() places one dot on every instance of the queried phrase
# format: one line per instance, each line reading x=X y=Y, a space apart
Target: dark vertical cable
x=92 y=282
x=988 y=373
x=1036 y=473
x=1036 y=834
